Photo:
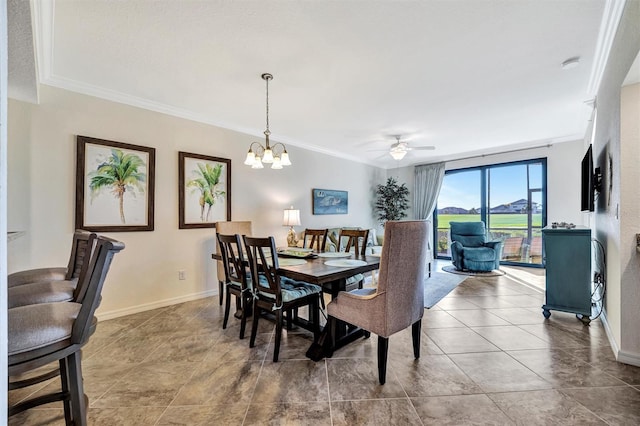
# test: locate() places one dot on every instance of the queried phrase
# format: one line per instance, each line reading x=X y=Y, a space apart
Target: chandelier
x=259 y=154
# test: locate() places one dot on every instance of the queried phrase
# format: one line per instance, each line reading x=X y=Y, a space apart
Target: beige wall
x=622 y=312
x=145 y=275
x=630 y=217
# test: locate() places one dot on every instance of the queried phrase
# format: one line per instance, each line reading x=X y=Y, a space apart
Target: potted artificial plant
x=392 y=201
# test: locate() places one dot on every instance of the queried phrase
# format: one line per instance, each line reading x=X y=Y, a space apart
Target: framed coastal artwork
x=330 y=201
x=204 y=184
x=114 y=186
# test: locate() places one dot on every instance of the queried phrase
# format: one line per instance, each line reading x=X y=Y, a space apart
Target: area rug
x=438 y=286
x=452 y=270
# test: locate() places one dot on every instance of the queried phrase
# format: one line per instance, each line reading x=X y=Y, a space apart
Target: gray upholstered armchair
x=398 y=301
x=470 y=250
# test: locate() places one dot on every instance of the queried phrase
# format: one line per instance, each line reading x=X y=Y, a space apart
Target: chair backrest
x=317 y=237
x=402 y=270
x=469 y=234
x=233 y=260
x=536 y=246
x=240 y=227
x=512 y=247
x=355 y=237
x=263 y=262
x=81 y=247
x=91 y=286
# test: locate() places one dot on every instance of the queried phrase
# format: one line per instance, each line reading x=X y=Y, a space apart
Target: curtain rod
x=499 y=153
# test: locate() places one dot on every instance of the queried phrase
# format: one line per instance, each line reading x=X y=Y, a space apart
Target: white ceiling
x=463 y=76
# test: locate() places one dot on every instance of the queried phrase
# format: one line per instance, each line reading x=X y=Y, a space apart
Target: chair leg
x=290 y=314
x=220 y=291
x=415 y=333
x=227 y=308
x=383 y=349
x=245 y=314
x=331 y=327
x=76 y=389
x=276 y=346
x=315 y=316
x=254 y=326
x=64 y=379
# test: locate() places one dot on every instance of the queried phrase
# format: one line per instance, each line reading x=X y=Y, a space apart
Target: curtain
x=428 y=180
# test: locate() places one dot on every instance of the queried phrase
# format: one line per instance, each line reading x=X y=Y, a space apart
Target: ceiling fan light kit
x=399 y=149
x=398 y=153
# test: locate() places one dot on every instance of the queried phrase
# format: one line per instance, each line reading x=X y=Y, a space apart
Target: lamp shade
x=291 y=217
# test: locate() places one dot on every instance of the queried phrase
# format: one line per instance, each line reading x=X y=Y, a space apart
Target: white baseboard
x=621 y=356
x=102 y=316
x=607 y=329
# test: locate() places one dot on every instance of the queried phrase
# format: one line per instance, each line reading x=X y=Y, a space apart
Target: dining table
x=323 y=272
x=330 y=271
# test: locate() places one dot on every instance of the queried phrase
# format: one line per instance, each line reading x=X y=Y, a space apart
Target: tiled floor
x=488 y=357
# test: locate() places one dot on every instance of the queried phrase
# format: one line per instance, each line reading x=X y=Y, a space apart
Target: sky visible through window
x=508 y=184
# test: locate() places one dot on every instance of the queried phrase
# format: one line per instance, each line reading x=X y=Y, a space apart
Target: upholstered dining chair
x=356 y=239
x=237 y=280
x=240 y=227
x=49 y=332
x=82 y=240
x=60 y=290
x=276 y=294
x=398 y=301
x=317 y=237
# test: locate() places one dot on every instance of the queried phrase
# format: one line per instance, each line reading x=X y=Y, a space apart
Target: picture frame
x=107 y=201
x=330 y=201
x=204 y=190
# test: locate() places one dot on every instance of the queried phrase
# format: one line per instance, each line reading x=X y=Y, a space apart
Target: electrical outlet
x=182 y=275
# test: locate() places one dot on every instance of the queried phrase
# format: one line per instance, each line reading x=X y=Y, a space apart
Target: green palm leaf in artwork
x=120 y=173
x=206 y=183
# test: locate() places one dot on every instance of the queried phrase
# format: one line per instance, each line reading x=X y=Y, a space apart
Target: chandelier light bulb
x=257 y=164
x=277 y=163
x=251 y=158
x=284 y=158
x=267 y=157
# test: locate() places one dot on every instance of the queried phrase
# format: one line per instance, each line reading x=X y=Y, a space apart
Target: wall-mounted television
x=587 y=182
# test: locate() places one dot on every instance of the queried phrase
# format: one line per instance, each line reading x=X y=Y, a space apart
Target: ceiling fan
x=399 y=149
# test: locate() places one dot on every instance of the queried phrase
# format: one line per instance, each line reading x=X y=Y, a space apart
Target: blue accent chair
x=470 y=250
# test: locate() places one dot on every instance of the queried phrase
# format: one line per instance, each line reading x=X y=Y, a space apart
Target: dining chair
x=236 y=279
x=354 y=237
x=317 y=237
x=276 y=294
x=48 y=332
x=398 y=301
x=240 y=227
x=77 y=259
x=56 y=290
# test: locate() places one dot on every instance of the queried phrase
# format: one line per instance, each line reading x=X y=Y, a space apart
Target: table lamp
x=291 y=219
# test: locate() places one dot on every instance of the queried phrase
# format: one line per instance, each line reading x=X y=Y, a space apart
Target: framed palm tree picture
x=114 y=186
x=204 y=190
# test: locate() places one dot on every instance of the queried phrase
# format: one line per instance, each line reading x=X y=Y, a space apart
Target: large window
x=510 y=198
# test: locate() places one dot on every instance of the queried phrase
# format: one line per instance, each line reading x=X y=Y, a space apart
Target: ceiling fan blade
x=423 y=148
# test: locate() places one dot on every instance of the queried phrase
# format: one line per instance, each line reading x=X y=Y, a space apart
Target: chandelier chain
x=267 y=132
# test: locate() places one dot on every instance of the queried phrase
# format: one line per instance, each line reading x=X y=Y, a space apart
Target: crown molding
x=608 y=27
